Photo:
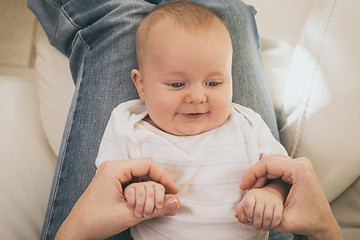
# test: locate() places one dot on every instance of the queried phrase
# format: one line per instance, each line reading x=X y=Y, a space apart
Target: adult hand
x=102 y=210
x=306 y=209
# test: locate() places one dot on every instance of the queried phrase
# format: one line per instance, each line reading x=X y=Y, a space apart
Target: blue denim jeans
x=98 y=37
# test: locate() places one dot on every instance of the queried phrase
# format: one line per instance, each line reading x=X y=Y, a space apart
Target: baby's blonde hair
x=186 y=14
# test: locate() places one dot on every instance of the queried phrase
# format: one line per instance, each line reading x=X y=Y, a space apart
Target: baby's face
x=185 y=79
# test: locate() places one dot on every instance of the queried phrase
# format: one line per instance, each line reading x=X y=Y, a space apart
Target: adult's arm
x=102 y=210
x=306 y=209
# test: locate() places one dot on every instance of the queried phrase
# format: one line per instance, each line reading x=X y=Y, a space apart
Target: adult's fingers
x=170 y=208
x=126 y=170
x=272 y=167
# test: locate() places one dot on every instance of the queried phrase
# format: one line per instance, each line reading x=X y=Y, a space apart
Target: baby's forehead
x=178 y=15
x=181 y=14
x=168 y=25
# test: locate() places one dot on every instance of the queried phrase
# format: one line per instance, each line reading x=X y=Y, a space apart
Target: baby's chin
x=196 y=129
x=186 y=131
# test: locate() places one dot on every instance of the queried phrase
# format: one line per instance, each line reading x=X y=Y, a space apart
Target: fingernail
x=172 y=203
x=244 y=218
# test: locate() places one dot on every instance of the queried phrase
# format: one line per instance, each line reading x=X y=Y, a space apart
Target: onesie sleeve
x=113 y=145
x=267 y=144
x=119 y=141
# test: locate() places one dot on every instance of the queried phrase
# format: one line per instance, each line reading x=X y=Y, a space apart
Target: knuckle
x=306 y=166
x=306 y=163
x=267 y=218
x=106 y=165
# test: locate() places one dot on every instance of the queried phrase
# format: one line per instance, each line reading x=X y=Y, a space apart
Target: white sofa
x=312 y=65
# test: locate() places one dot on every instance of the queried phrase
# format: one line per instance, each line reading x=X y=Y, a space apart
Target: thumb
x=171 y=205
x=248 y=184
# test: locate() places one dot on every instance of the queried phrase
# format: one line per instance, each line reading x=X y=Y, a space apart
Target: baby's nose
x=196 y=96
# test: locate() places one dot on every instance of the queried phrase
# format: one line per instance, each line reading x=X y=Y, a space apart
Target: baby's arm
x=144 y=197
x=262 y=207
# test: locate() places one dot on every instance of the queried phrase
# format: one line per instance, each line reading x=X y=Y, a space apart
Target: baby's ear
x=139 y=83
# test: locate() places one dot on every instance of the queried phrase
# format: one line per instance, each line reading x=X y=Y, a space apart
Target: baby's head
x=184 y=55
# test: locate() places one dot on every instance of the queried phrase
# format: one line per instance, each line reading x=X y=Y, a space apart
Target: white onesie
x=207 y=168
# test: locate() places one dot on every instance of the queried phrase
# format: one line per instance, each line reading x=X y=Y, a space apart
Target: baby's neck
x=148 y=119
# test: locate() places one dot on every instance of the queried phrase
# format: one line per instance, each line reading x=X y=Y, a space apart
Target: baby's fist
x=144 y=197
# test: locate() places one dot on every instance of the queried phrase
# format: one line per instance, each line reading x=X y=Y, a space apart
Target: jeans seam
x=65 y=142
x=68 y=17
x=62 y=158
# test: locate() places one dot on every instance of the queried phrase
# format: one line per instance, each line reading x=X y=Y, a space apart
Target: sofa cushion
x=26 y=159
x=55 y=90
x=281 y=19
x=320 y=117
x=279 y=29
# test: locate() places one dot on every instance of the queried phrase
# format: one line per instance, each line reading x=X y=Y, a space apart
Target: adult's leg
x=99 y=39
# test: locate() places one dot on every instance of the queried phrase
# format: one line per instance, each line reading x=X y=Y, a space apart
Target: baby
x=185 y=121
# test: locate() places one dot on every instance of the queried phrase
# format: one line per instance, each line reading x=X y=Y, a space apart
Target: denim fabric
x=98 y=36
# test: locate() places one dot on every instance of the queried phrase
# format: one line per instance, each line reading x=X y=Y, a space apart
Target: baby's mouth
x=194 y=115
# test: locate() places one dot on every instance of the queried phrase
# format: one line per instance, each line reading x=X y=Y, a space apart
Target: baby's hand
x=260 y=207
x=144 y=197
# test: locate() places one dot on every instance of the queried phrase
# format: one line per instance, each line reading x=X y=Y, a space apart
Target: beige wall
x=18 y=26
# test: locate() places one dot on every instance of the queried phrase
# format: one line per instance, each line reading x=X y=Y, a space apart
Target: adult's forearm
x=70 y=231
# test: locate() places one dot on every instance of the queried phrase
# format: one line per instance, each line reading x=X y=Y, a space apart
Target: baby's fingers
x=150 y=201
x=277 y=216
x=130 y=197
x=245 y=220
x=258 y=215
x=239 y=211
x=140 y=201
x=272 y=217
x=245 y=210
x=159 y=196
x=268 y=218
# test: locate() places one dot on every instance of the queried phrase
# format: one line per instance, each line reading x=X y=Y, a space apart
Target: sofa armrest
x=27 y=161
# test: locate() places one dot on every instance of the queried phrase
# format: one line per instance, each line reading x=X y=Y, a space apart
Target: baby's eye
x=212 y=84
x=177 y=85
